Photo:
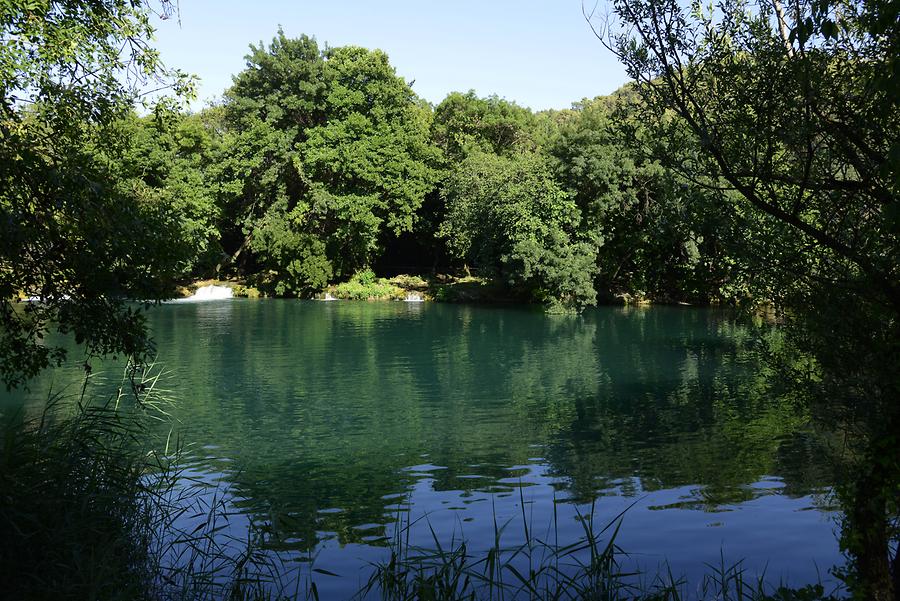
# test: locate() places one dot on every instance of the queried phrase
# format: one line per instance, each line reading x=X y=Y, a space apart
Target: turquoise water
x=325 y=421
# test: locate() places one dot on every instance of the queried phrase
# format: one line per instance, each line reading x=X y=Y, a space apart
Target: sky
x=539 y=53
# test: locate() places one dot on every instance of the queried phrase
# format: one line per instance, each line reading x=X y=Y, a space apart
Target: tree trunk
x=870 y=547
x=866 y=532
x=233 y=258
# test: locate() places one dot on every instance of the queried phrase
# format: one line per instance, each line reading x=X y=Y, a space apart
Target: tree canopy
x=330 y=149
x=508 y=217
x=70 y=236
x=791 y=116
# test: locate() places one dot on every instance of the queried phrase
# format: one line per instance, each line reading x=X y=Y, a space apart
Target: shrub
x=365 y=277
x=364 y=286
x=87 y=512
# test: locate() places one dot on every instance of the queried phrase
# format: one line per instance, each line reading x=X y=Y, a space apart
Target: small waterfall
x=208 y=293
x=328 y=297
x=413 y=297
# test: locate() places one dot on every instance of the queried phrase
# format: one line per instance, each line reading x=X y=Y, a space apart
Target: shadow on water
x=328 y=420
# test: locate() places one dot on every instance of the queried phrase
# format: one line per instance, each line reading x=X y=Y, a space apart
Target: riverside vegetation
x=753 y=160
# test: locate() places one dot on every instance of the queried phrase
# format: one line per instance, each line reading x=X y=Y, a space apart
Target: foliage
x=329 y=151
x=470 y=289
x=165 y=161
x=69 y=236
x=652 y=231
x=409 y=282
x=365 y=286
x=756 y=156
x=464 y=123
x=508 y=218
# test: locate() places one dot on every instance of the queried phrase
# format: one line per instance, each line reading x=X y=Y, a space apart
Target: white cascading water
x=413 y=297
x=208 y=293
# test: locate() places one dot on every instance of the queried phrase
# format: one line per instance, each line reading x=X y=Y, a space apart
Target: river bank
x=430 y=288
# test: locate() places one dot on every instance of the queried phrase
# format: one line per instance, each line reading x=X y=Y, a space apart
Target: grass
x=87 y=511
x=544 y=569
x=73 y=523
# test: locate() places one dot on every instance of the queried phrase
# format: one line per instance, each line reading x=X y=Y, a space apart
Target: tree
x=465 y=123
x=68 y=236
x=507 y=217
x=653 y=232
x=794 y=115
x=165 y=160
x=331 y=151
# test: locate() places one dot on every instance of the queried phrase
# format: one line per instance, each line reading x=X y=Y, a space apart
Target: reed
x=90 y=510
x=541 y=568
x=93 y=508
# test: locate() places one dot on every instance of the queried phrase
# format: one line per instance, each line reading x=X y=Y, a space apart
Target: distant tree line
x=322 y=162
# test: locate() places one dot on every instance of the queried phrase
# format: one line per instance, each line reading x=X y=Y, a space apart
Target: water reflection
x=328 y=420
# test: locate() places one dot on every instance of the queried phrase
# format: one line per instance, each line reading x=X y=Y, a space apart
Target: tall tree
x=509 y=218
x=165 y=159
x=795 y=114
x=331 y=150
x=653 y=231
x=68 y=236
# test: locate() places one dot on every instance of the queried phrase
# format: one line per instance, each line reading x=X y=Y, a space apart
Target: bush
x=365 y=286
x=365 y=277
x=87 y=512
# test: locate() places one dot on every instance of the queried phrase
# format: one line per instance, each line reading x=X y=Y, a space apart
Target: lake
x=323 y=422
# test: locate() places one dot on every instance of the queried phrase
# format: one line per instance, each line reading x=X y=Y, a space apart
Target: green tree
x=794 y=113
x=464 y=123
x=651 y=228
x=68 y=235
x=508 y=218
x=331 y=151
x=165 y=160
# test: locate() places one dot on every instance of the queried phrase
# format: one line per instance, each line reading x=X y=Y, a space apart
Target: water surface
x=327 y=421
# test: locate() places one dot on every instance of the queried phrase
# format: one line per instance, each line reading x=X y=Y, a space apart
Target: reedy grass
x=89 y=510
x=544 y=569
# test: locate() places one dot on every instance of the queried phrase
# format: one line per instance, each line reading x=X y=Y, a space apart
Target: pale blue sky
x=540 y=53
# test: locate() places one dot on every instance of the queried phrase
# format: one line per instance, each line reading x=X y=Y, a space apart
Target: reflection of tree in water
x=685 y=403
x=312 y=411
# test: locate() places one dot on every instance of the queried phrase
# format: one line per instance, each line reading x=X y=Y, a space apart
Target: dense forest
x=322 y=163
x=753 y=158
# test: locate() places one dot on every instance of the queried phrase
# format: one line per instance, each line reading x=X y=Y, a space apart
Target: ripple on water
x=320 y=420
